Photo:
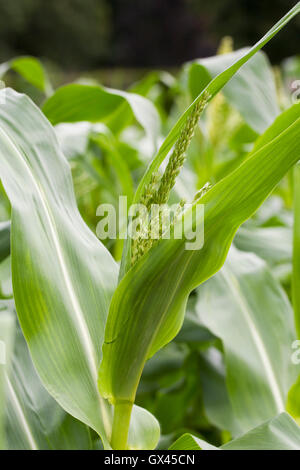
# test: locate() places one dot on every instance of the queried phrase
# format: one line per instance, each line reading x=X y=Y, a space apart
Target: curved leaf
x=190 y=442
x=148 y=306
x=280 y=433
x=67 y=300
x=6 y=347
x=5 y=279
x=63 y=277
x=74 y=137
x=296 y=249
x=30 y=69
x=34 y=419
x=144 y=430
x=273 y=244
x=74 y=140
x=76 y=102
x=253 y=83
x=248 y=310
x=4 y=240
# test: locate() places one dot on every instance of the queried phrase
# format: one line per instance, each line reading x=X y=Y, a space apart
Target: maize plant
x=140 y=343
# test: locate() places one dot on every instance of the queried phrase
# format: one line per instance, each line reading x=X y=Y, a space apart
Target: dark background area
x=90 y=34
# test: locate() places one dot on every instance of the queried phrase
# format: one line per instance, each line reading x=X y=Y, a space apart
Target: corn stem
x=121 y=422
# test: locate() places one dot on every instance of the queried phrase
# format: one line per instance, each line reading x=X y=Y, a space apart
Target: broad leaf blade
x=6 y=347
x=34 y=419
x=296 y=249
x=63 y=276
x=273 y=244
x=249 y=311
x=190 y=442
x=279 y=433
x=77 y=102
x=293 y=404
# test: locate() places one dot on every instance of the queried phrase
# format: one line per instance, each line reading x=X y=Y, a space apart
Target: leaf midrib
x=263 y=354
x=21 y=415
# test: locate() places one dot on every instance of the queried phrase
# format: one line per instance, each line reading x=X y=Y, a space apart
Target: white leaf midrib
x=21 y=415
x=274 y=386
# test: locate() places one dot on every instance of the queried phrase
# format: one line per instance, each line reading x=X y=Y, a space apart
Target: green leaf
x=6 y=346
x=77 y=102
x=31 y=69
x=273 y=244
x=144 y=430
x=5 y=279
x=211 y=89
x=279 y=433
x=34 y=419
x=296 y=249
x=293 y=404
x=248 y=310
x=75 y=138
x=252 y=84
x=63 y=276
x=190 y=442
x=216 y=400
x=4 y=239
x=68 y=298
x=148 y=307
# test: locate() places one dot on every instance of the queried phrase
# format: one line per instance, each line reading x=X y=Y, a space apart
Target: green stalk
x=296 y=249
x=121 y=422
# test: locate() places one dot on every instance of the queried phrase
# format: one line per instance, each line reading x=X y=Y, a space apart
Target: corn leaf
x=75 y=138
x=296 y=249
x=190 y=442
x=116 y=108
x=293 y=404
x=63 y=276
x=216 y=400
x=252 y=84
x=273 y=244
x=293 y=401
x=30 y=69
x=5 y=279
x=148 y=307
x=6 y=346
x=248 y=310
x=279 y=433
x=4 y=239
x=34 y=420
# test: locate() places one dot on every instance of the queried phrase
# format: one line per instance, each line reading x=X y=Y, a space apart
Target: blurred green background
x=82 y=35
